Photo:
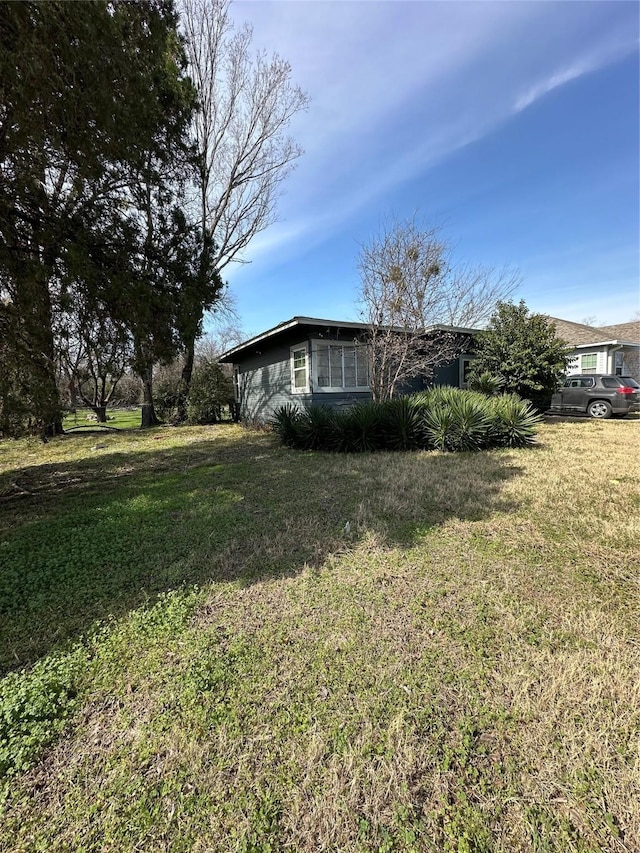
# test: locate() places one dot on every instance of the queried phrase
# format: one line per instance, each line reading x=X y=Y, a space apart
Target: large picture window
x=341 y=367
x=589 y=362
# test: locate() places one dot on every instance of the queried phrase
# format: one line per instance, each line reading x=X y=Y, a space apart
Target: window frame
x=464 y=362
x=618 y=363
x=304 y=346
x=338 y=389
x=589 y=370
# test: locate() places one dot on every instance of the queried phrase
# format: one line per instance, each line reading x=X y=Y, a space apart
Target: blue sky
x=514 y=125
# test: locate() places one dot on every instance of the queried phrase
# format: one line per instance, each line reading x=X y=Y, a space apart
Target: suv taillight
x=626 y=389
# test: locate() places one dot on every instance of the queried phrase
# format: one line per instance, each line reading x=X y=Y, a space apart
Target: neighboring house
x=604 y=349
x=306 y=360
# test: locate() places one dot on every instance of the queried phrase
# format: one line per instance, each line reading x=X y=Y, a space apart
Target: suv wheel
x=599 y=409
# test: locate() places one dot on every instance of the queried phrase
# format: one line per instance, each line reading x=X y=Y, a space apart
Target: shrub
x=287 y=424
x=522 y=349
x=317 y=427
x=487 y=383
x=211 y=392
x=515 y=422
x=472 y=418
x=359 y=429
x=401 y=423
x=448 y=419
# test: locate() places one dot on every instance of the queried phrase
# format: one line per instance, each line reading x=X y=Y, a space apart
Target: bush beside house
x=522 y=350
x=448 y=419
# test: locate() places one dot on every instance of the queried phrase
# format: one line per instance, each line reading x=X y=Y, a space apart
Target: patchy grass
x=199 y=656
x=118 y=419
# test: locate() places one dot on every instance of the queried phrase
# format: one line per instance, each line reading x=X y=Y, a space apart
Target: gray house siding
x=264 y=377
x=263 y=371
x=336 y=400
x=264 y=383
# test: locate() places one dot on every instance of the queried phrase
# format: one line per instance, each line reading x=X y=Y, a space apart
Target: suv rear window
x=619 y=382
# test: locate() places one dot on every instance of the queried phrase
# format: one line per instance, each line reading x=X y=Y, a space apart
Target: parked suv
x=599 y=395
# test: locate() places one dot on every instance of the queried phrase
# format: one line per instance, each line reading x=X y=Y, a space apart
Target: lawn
x=213 y=643
x=82 y=420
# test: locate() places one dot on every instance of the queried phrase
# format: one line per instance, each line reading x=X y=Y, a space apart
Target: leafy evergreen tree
x=89 y=92
x=522 y=349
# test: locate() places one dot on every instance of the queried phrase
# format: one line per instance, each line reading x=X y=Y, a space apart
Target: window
x=236 y=384
x=465 y=367
x=579 y=382
x=299 y=369
x=618 y=363
x=341 y=366
x=589 y=362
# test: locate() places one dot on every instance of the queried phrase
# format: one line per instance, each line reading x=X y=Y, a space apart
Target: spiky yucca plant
x=472 y=418
x=401 y=423
x=359 y=429
x=317 y=427
x=515 y=422
x=444 y=418
x=486 y=383
x=287 y=423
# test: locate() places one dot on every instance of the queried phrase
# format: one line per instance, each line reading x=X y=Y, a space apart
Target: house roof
x=626 y=331
x=580 y=335
x=230 y=354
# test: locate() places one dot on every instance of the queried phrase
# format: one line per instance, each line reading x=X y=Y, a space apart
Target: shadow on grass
x=92 y=539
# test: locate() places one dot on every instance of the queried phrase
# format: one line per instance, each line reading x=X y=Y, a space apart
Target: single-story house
x=604 y=349
x=306 y=361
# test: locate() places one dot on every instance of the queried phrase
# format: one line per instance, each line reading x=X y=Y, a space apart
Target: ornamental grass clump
x=446 y=419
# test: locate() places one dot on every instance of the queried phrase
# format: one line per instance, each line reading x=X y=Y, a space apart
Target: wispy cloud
x=600 y=57
x=397 y=87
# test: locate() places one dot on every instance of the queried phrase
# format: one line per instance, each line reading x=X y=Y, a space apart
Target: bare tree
x=415 y=298
x=246 y=103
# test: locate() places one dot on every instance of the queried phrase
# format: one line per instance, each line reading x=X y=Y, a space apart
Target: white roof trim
x=607 y=344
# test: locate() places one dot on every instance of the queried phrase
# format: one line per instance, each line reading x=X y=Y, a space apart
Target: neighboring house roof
x=229 y=355
x=580 y=335
x=626 y=331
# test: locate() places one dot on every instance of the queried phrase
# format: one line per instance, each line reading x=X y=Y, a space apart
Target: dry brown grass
x=459 y=672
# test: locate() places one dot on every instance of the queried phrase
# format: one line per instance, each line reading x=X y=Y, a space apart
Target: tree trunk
x=149 y=417
x=185 y=379
x=33 y=302
x=101 y=414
